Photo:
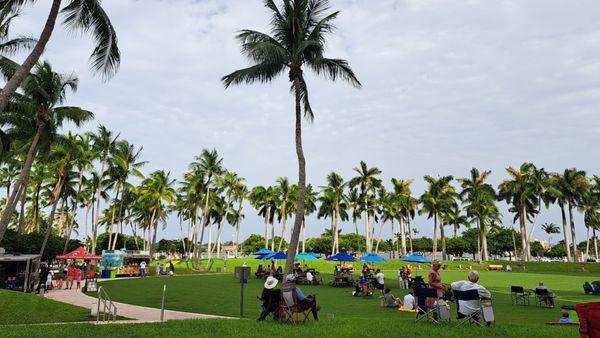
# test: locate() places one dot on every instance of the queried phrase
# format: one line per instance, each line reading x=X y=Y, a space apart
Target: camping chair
x=469 y=295
x=519 y=295
x=589 y=319
x=424 y=311
x=289 y=307
x=541 y=297
x=270 y=304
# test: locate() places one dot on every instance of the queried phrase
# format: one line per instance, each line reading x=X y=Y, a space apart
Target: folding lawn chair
x=519 y=295
x=542 y=297
x=289 y=307
x=475 y=317
x=424 y=311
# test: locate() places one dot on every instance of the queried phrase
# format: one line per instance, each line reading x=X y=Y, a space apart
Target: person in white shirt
x=309 y=277
x=400 y=280
x=380 y=281
x=409 y=302
x=143 y=269
x=468 y=307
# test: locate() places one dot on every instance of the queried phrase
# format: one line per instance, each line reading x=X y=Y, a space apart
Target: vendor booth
x=17 y=271
x=81 y=255
x=121 y=263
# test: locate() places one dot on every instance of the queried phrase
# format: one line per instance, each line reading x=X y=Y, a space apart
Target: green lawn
x=23 y=308
x=220 y=294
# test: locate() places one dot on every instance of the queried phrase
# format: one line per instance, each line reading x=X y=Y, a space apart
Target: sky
x=447 y=86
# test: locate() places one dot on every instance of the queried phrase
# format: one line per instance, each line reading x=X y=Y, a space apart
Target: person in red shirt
x=70 y=276
x=78 y=275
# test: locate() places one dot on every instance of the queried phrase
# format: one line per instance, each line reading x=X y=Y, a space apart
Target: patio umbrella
x=263 y=251
x=306 y=257
x=372 y=258
x=416 y=258
x=275 y=255
x=341 y=257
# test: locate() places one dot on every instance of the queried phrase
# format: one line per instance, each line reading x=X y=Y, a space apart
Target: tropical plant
x=367 y=182
x=299 y=30
x=438 y=199
x=549 y=229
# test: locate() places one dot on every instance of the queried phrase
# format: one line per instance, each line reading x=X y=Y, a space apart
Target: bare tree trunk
x=56 y=197
x=575 y=253
x=97 y=219
x=291 y=254
x=283 y=221
x=410 y=236
x=367 y=230
x=565 y=233
x=394 y=241
x=336 y=236
x=403 y=236
x=434 y=235
x=21 y=181
x=112 y=222
x=379 y=236
x=523 y=227
x=19 y=76
x=266 y=219
x=443 y=237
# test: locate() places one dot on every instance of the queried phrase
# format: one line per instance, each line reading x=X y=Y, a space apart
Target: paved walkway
x=138 y=313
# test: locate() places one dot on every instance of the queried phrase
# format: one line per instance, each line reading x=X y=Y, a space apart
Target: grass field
x=24 y=308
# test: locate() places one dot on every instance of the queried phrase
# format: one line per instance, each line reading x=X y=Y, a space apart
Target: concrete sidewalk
x=138 y=313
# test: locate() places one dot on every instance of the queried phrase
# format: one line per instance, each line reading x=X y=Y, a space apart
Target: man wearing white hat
x=270 y=298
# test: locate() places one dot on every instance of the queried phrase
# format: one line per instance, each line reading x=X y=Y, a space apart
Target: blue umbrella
x=416 y=258
x=341 y=257
x=275 y=255
x=372 y=258
x=306 y=257
x=263 y=251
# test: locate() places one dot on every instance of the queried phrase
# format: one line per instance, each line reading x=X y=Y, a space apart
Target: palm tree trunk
x=523 y=234
x=74 y=211
x=565 y=233
x=22 y=197
x=283 y=221
x=205 y=220
x=574 y=242
x=514 y=240
x=291 y=255
x=410 y=236
x=336 y=236
x=303 y=236
x=112 y=221
x=484 y=246
x=56 y=197
x=434 y=236
x=402 y=236
x=587 y=244
x=33 y=57
x=99 y=193
x=21 y=181
x=120 y=223
x=266 y=218
x=355 y=226
x=443 y=237
x=151 y=236
x=379 y=236
x=217 y=245
x=394 y=241
x=595 y=242
x=367 y=230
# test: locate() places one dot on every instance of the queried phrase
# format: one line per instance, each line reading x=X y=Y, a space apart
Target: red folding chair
x=289 y=307
x=589 y=319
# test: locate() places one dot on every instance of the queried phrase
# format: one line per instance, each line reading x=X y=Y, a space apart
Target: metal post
x=162 y=307
x=242 y=299
x=98 y=310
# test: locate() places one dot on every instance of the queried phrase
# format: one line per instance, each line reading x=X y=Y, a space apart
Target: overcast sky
x=447 y=85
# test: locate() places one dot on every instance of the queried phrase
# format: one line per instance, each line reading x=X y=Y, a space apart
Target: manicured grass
x=220 y=294
x=338 y=327
x=23 y=308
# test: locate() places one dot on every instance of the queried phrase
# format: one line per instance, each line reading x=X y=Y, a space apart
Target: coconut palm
x=354 y=202
x=283 y=191
x=43 y=93
x=521 y=193
x=299 y=29
x=574 y=183
x=10 y=46
x=478 y=199
x=86 y=16
x=404 y=199
x=436 y=200
x=367 y=182
x=208 y=165
x=555 y=195
x=263 y=200
x=549 y=229
x=334 y=193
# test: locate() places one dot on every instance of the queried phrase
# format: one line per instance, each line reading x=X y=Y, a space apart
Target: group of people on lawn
x=303 y=274
x=70 y=274
x=270 y=298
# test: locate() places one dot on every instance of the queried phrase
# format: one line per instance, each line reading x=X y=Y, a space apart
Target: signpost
x=243 y=274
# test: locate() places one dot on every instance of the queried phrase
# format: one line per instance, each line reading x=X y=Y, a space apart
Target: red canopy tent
x=80 y=254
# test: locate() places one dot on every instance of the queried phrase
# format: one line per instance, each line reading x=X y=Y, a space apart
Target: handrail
x=107 y=302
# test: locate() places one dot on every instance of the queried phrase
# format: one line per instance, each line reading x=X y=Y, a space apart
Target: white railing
x=109 y=309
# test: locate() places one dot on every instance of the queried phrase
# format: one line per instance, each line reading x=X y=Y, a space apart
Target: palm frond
x=334 y=69
x=263 y=73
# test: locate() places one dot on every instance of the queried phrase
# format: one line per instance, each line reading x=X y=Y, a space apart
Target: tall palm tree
x=436 y=200
x=240 y=193
x=367 y=182
x=104 y=142
x=85 y=16
x=574 y=184
x=262 y=199
x=283 y=191
x=310 y=207
x=549 y=229
x=403 y=196
x=43 y=93
x=354 y=202
x=299 y=29
x=209 y=164
x=555 y=195
x=335 y=191
x=479 y=203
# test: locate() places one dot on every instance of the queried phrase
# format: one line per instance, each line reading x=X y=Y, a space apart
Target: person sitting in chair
x=549 y=299
x=304 y=302
x=270 y=299
x=468 y=307
x=260 y=271
x=587 y=288
x=391 y=300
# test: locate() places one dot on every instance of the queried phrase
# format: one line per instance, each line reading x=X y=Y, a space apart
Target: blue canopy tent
x=263 y=251
x=275 y=255
x=341 y=257
x=416 y=258
x=372 y=258
x=305 y=256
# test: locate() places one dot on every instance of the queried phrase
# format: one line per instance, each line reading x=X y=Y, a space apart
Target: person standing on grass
x=435 y=281
x=380 y=279
x=143 y=269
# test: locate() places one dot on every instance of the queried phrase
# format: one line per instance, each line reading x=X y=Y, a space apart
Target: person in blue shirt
x=565 y=317
x=304 y=302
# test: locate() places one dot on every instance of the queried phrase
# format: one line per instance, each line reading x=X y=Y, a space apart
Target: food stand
x=16 y=271
x=81 y=254
x=120 y=263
